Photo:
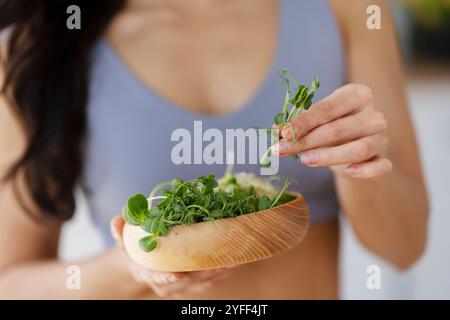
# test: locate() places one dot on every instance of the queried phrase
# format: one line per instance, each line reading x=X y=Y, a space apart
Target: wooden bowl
x=223 y=243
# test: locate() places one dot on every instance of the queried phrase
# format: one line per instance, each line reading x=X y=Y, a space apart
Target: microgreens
x=192 y=201
x=292 y=106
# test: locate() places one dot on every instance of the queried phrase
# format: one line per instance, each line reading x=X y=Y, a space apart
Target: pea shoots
x=192 y=201
x=294 y=102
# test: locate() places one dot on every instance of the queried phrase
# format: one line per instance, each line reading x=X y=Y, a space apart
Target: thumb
x=116 y=226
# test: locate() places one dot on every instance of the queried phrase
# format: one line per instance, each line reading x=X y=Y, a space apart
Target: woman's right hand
x=168 y=284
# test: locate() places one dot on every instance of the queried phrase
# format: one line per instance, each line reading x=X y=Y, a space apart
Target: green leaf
x=299 y=95
x=287 y=98
x=163 y=230
x=151 y=225
x=209 y=181
x=308 y=99
x=138 y=204
x=315 y=84
x=284 y=76
x=252 y=204
x=264 y=203
x=154 y=212
x=307 y=103
x=281 y=193
x=176 y=182
x=154 y=228
x=131 y=218
x=231 y=179
x=285 y=197
x=216 y=214
x=280 y=118
x=252 y=191
x=147 y=225
x=148 y=243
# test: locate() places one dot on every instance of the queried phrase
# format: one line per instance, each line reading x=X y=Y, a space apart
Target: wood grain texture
x=223 y=243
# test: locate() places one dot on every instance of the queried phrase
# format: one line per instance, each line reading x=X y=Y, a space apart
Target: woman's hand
x=344 y=131
x=168 y=284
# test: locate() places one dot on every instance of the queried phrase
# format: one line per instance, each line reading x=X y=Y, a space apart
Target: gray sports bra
x=129 y=143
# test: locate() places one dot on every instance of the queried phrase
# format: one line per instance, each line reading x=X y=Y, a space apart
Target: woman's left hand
x=344 y=131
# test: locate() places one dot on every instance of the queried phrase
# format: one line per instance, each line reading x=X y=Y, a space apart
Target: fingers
x=175 y=286
x=116 y=227
x=277 y=129
x=370 y=169
x=172 y=284
x=352 y=152
x=343 y=131
x=166 y=278
x=341 y=102
x=163 y=278
x=365 y=123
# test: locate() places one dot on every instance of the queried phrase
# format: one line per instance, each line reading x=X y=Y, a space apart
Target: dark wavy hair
x=46 y=84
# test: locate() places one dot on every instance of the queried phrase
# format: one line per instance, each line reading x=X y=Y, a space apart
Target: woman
x=96 y=107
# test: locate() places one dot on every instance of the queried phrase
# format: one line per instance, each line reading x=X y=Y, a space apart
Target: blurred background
x=424 y=34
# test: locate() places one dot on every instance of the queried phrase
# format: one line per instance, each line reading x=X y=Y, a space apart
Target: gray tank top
x=129 y=126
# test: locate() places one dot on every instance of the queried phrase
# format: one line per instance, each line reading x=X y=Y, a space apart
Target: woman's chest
x=209 y=60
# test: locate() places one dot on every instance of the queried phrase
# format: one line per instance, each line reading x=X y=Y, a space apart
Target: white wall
x=79 y=238
x=431 y=110
x=430 y=106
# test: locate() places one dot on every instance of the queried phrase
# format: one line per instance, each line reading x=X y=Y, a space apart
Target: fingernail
x=308 y=158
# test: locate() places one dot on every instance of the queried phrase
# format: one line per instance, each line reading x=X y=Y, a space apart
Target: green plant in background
x=430 y=20
x=431 y=13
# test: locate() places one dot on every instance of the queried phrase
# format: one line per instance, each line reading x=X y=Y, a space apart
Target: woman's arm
x=348 y=132
x=105 y=276
x=389 y=214
x=28 y=250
